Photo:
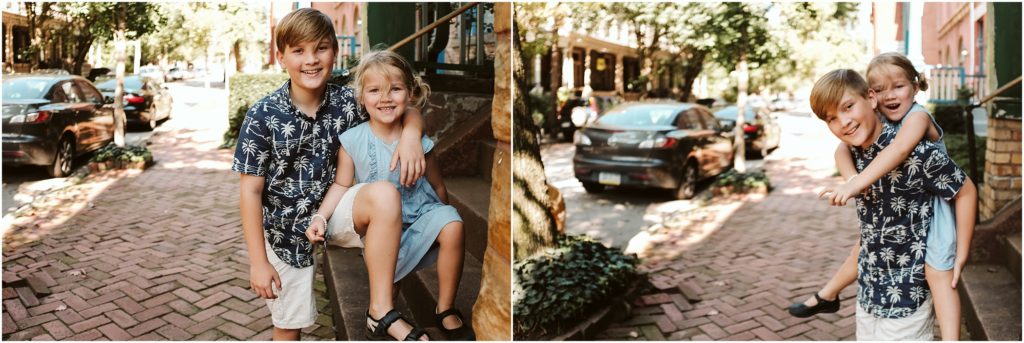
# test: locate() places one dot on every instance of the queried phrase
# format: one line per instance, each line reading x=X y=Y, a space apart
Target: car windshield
x=730 y=113
x=25 y=88
x=109 y=84
x=641 y=115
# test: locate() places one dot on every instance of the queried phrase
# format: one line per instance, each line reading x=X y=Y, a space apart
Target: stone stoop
x=989 y=287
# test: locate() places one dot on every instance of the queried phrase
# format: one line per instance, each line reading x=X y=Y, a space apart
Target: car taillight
x=660 y=142
x=749 y=128
x=133 y=99
x=31 y=118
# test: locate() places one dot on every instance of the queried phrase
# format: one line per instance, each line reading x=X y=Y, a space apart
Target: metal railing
x=969 y=118
x=944 y=84
x=430 y=56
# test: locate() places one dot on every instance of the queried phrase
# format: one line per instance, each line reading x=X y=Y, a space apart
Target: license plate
x=607 y=178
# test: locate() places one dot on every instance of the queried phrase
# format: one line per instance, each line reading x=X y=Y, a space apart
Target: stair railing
x=969 y=127
x=478 y=66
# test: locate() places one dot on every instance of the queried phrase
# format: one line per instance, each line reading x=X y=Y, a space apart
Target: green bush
x=737 y=182
x=247 y=89
x=129 y=153
x=543 y=107
x=560 y=285
x=950 y=118
x=956 y=144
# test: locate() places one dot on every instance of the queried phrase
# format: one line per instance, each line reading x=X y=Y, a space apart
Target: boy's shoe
x=461 y=333
x=377 y=329
x=800 y=310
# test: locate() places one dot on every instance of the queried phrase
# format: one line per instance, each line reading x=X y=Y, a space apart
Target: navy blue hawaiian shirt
x=894 y=218
x=298 y=157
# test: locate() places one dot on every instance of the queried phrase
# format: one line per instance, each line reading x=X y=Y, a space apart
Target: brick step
x=420 y=292
x=471 y=196
x=991 y=299
x=1013 y=256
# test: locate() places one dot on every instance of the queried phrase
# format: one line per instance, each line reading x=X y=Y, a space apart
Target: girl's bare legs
x=449 y=270
x=946 y=301
x=377 y=215
x=845 y=276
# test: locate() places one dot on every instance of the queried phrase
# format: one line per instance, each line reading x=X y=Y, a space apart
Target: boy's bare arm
x=844 y=161
x=410 y=148
x=915 y=126
x=965 y=208
x=436 y=180
x=343 y=179
x=262 y=276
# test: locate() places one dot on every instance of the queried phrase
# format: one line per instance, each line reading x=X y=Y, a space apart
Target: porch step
x=471 y=196
x=991 y=299
x=1013 y=256
x=420 y=292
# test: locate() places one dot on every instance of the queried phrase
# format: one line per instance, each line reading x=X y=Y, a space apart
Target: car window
x=689 y=120
x=57 y=96
x=71 y=90
x=130 y=82
x=90 y=93
x=24 y=88
x=709 y=121
x=646 y=115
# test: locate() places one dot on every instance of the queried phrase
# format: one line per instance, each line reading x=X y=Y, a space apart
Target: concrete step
x=991 y=300
x=420 y=292
x=471 y=196
x=1013 y=260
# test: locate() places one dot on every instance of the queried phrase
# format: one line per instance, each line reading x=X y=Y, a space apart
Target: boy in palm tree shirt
x=893 y=301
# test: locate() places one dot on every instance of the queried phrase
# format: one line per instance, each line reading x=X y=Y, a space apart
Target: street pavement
x=726 y=268
x=152 y=255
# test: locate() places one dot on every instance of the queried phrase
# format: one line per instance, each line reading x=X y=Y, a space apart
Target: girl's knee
x=451 y=233
x=383 y=196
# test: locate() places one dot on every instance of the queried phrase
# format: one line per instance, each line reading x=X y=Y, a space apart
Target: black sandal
x=800 y=310
x=461 y=333
x=380 y=331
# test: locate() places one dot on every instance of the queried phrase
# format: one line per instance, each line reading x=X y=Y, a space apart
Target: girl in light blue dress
x=431 y=229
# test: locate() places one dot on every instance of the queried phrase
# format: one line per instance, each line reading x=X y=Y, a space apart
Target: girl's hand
x=957 y=268
x=410 y=154
x=263 y=279
x=315 y=232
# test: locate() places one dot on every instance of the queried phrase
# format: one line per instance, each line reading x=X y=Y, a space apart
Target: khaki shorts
x=294 y=307
x=341 y=228
x=919 y=326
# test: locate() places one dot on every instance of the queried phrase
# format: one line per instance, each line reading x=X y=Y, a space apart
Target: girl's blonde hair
x=379 y=61
x=899 y=61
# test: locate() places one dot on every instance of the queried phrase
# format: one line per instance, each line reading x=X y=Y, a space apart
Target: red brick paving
x=156 y=255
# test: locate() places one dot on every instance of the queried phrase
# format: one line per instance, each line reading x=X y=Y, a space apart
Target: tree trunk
x=740 y=160
x=534 y=224
x=692 y=67
x=236 y=50
x=81 y=51
x=120 y=43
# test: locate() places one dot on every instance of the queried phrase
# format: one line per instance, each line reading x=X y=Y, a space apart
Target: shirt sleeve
x=942 y=176
x=428 y=144
x=253 y=150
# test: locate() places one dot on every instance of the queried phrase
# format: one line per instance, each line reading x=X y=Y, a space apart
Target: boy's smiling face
x=854 y=121
x=308 y=63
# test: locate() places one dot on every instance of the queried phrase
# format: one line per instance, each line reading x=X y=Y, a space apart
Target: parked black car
x=668 y=145
x=50 y=119
x=761 y=132
x=146 y=100
x=577 y=112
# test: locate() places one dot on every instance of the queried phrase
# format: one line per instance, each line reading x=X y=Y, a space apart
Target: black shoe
x=461 y=333
x=800 y=310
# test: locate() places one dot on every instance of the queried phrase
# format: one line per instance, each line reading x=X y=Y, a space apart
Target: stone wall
x=1002 y=166
x=492 y=314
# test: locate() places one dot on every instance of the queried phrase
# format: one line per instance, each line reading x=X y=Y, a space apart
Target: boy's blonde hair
x=830 y=88
x=304 y=25
x=378 y=61
x=897 y=60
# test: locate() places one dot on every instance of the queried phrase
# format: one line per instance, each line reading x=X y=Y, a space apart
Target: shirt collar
x=286 y=97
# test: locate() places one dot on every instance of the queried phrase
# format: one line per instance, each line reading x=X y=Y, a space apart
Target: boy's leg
x=286 y=334
x=946 y=300
x=449 y=270
x=294 y=307
x=845 y=276
x=377 y=215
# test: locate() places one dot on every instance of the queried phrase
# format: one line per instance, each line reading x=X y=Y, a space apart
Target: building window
x=20 y=43
x=602 y=71
x=630 y=72
x=578 y=67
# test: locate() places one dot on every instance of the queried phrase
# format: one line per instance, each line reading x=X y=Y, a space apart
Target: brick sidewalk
x=728 y=270
x=157 y=255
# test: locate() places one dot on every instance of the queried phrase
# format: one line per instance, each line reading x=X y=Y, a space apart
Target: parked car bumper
x=637 y=172
x=27 y=150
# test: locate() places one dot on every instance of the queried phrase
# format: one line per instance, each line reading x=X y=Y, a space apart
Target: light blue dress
x=940 y=247
x=423 y=213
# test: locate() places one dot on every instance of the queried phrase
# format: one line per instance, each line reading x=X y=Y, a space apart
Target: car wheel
x=591 y=187
x=65 y=159
x=688 y=185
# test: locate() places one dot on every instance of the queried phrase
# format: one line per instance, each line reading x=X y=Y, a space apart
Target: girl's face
x=384 y=94
x=894 y=91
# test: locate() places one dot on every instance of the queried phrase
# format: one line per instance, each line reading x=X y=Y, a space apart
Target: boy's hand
x=263 y=279
x=315 y=232
x=410 y=154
